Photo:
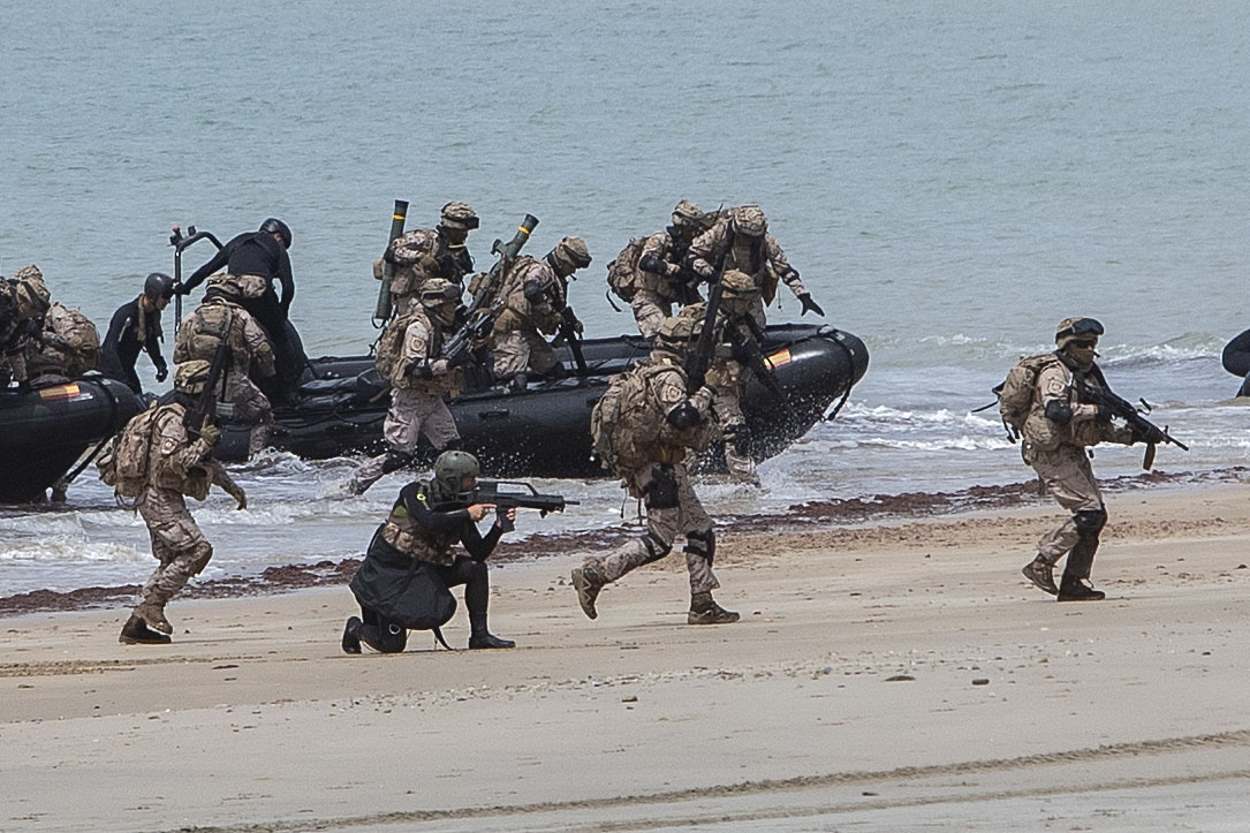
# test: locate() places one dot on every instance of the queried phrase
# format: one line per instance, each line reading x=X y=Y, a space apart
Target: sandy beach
x=896 y=675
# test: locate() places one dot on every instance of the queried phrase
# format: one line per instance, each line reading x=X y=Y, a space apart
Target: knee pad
x=203 y=553
x=656 y=548
x=396 y=460
x=661 y=492
x=702 y=543
x=1090 y=522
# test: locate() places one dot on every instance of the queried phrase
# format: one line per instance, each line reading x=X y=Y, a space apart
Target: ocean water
x=950 y=178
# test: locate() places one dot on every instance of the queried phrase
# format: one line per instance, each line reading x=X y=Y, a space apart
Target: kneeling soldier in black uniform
x=404 y=580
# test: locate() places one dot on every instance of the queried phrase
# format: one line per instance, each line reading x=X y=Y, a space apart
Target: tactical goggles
x=1081 y=328
x=447 y=293
x=461 y=225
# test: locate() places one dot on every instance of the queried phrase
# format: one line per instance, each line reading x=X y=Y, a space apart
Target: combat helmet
x=572 y=253
x=1076 y=329
x=192 y=376
x=459 y=216
x=275 y=226
x=677 y=331
x=158 y=285
x=749 y=220
x=30 y=292
x=687 y=213
x=455 y=474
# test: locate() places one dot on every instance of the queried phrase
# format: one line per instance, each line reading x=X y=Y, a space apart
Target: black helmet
x=158 y=285
x=275 y=226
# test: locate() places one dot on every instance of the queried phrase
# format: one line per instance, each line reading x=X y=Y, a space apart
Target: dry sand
x=849 y=698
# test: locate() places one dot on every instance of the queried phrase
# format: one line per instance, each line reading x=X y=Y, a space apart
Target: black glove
x=162 y=370
x=181 y=289
x=502 y=521
x=809 y=305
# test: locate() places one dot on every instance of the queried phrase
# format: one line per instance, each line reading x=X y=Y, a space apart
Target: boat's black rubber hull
x=546 y=430
x=43 y=432
x=1236 y=360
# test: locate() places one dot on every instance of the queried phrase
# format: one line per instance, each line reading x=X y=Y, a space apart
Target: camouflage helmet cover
x=458 y=215
x=749 y=220
x=438 y=291
x=684 y=326
x=192 y=376
x=1077 y=329
x=736 y=283
x=687 y=213
x=573 y=251
x=30 y=292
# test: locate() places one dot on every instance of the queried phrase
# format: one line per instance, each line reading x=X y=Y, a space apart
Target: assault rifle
x=480 y=314
x=205 y=407
x=567 y=331
x=700 y=357
x=1112 y=405
x=516 y=495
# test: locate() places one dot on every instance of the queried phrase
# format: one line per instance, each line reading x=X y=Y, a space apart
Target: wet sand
x=893 y=675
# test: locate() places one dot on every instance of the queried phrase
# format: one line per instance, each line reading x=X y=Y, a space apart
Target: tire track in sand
x=1162 y=746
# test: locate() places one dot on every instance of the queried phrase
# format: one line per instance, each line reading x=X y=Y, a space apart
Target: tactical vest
x=412 y=539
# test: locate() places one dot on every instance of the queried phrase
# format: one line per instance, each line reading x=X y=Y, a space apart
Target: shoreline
x=837 y=512
x=884 y=674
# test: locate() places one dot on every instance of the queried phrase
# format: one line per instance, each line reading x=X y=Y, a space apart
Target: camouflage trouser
x=250 y=406
x=663 y=525
x=518 y=351
x=725 y=378
x=649 y=310
x=412 y=414
x=1068 y=476
x=177 y=544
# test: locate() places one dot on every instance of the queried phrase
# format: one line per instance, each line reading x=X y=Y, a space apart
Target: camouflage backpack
x=1015 y=394
x=124 y=462
x=72 y=339
x=203 y=330
x=625 y=421
x=391 y=344
x=623 y=270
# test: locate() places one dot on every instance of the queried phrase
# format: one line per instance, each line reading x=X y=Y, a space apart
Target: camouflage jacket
x=764 y=261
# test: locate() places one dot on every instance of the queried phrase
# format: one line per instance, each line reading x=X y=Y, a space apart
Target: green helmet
x=192 y=376
x=451 y=471
x=437 y=291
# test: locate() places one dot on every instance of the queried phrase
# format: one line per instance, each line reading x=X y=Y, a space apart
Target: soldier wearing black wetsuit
x=262 y=253
x=136 y=327
x=404 y=580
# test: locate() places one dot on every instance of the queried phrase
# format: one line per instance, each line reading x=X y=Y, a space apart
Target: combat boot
x=153 y=616
x=351 y=635
x=1074 y=589
x=136 y=632
x=480 y=637
x=1042 y=574
x=588 y=588
x=705 y=611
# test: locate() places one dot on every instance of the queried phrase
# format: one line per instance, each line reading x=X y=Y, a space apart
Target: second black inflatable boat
x=545 y=430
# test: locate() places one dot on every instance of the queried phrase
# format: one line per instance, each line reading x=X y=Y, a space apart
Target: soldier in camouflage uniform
x=652 y=425
x=740 y=240
x=177 y=465
x=535 y=295
x=663 y=276
x=440 y=252
x=1058 y=430
x=24 y=301
x=419 y=382
x=221 y=316
x=69 y=346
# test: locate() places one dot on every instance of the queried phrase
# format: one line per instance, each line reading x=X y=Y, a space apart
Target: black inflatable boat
x=545 y=430
x=1236 y=360
x=43 y=432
